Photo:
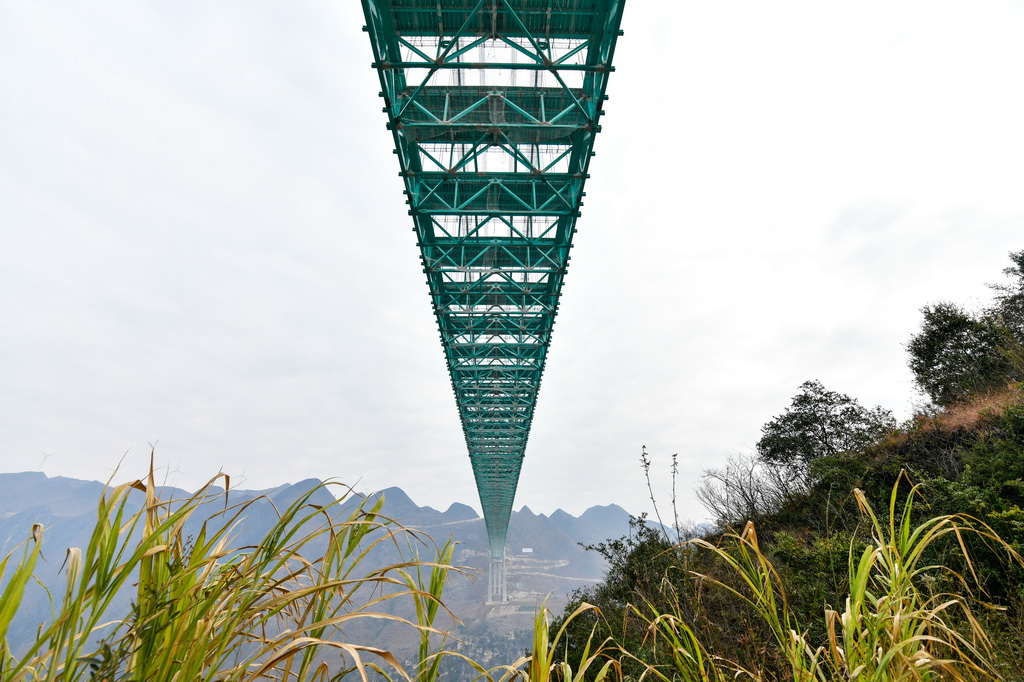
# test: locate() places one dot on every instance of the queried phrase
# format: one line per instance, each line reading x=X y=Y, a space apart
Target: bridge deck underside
x=494 y=106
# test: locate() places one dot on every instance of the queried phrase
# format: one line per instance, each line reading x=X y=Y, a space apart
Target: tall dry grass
x=202 y=610
x=973 y=411
x=893 y=626
x=278 y=609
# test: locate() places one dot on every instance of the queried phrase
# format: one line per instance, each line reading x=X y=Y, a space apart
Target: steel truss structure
x=494 y=106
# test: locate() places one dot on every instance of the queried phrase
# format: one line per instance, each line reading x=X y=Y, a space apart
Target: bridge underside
x=494 y=106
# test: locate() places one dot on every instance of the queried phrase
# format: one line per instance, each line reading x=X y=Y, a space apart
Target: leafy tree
x=821 y=423
x=958 y=354
x=637 y=563
x=1009 y=303
x=638 y=566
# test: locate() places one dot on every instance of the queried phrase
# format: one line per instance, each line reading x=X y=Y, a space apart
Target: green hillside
x=805 y=489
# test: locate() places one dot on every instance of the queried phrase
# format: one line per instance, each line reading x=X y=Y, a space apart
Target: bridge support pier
x=497 y=592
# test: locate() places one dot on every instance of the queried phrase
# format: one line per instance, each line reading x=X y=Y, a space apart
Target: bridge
x=494 y=106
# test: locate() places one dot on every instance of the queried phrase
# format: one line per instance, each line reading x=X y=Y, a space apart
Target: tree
x=640 y=567
x=1009 y=304
x=821 y=423
x=958 y=354
x=747 y=489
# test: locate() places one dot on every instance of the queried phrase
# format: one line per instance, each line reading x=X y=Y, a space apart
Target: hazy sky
x=205 y=244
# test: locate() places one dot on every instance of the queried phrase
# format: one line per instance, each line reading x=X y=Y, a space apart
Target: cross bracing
x=493 y=106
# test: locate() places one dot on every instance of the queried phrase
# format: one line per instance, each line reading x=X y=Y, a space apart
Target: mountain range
x=546 y=559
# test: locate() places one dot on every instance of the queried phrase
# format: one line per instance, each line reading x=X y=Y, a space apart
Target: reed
x=892 y=627
x=672 y=638
x=202 y=610
x=426 y=588
x=598 y=660
x=280 y=608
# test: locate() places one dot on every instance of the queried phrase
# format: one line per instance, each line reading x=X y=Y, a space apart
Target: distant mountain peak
x=604 y=510
x=28 y=475
x=460 y=512
x=308 y=483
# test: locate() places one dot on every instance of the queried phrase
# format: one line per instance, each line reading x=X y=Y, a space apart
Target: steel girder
x=493 y=106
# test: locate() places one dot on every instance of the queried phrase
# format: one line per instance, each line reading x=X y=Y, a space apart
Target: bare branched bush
x=748 y=488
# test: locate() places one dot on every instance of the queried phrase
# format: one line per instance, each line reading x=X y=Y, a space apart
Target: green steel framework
x=494 y=106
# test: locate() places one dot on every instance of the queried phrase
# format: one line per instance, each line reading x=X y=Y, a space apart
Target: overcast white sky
x=205 y=245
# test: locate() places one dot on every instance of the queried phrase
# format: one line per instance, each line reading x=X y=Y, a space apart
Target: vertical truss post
x=493 y=106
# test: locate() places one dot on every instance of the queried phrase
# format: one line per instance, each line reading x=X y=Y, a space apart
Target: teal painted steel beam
x=493 y=106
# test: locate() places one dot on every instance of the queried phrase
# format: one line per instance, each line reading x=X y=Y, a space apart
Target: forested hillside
x=806 y=489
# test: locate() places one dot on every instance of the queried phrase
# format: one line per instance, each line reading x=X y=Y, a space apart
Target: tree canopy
x=821 y=423
x=958 y=353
